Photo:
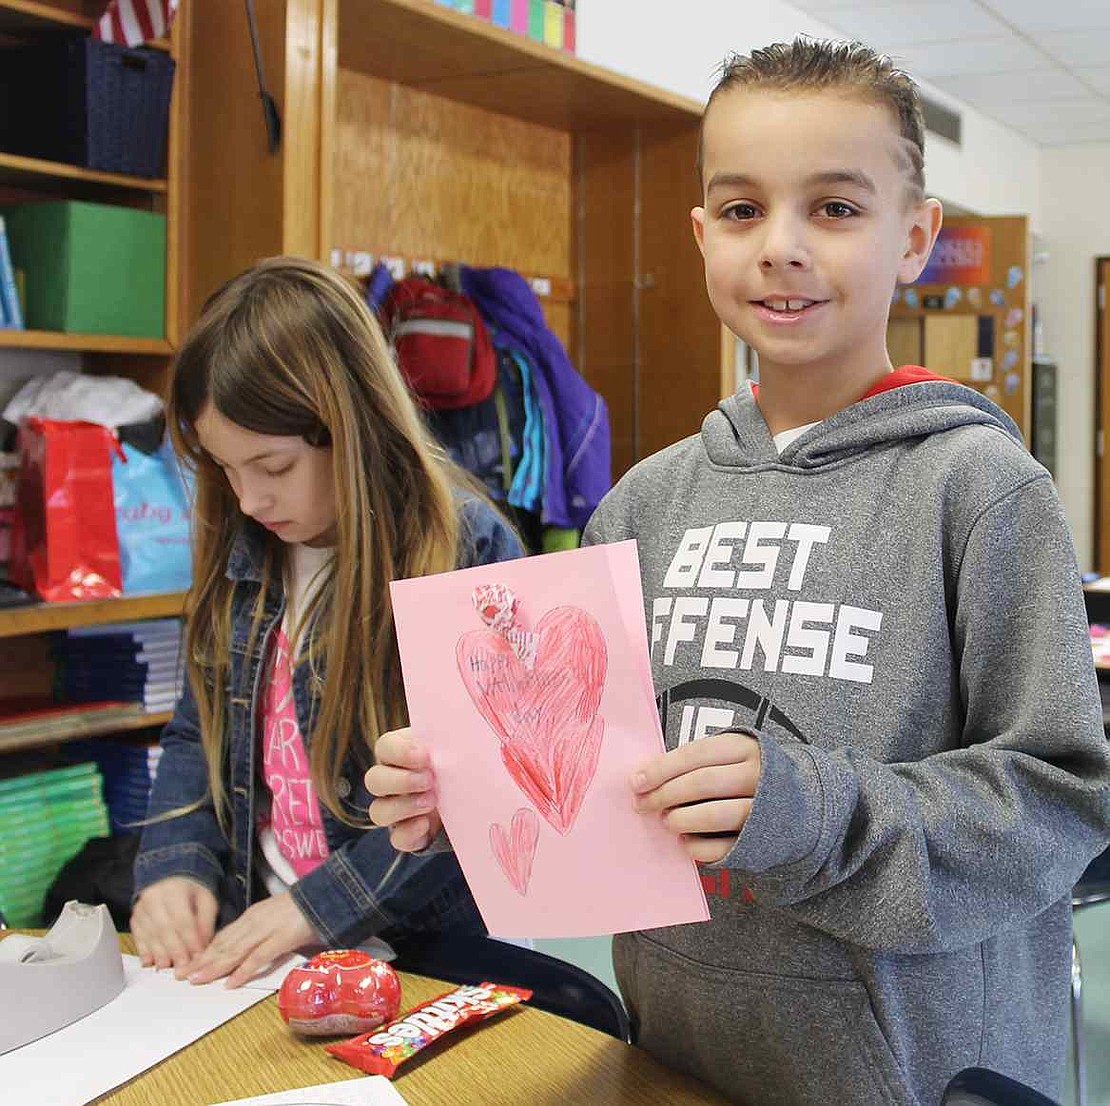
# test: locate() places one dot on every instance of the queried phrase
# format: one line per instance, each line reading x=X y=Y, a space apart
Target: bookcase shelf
x=457 y=56
x=32 y=171
x=43 y=617
x=33 y=16
x=82 y=343
x=35 y=733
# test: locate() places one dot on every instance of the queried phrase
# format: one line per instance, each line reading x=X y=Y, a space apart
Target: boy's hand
x=172 y=922
x=260 y=935
x=403 y=782
x=704 y=791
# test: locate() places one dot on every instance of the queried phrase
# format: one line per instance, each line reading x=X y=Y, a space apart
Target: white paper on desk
x=272 y=980
x=372 y=1090
x=155 y=1016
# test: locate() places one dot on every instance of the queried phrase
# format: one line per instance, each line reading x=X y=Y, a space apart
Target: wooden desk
x=521 y=1058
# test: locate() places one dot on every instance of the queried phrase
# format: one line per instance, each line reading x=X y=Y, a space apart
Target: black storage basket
x=88 y=103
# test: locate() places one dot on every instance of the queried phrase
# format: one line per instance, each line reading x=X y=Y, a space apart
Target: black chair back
x=980 y=1087
x=557 y=987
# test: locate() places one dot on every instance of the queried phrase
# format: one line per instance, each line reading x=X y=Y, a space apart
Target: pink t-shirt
x=295 y=818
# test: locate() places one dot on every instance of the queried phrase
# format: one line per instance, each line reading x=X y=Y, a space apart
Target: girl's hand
x=403 y=782
x=704 y=791
x=172 y=922
x=262 y=933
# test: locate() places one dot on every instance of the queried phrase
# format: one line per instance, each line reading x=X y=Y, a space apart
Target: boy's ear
x=922 y=237
x=697 y=218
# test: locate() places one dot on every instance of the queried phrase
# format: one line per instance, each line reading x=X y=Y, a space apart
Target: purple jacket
x=579 y=471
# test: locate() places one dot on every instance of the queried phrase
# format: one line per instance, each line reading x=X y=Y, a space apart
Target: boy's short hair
x=808 y=64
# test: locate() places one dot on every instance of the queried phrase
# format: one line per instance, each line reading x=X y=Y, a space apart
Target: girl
x=316 y=484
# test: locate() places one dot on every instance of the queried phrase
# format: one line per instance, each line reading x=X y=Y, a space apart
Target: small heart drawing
x=516 y=849
x=544 y=716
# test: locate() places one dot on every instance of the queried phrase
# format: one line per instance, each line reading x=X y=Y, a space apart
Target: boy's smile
x=809 y=221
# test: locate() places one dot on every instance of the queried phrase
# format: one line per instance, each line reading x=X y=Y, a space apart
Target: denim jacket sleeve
x=192 y=844
x=366 y=886
x=487 y=536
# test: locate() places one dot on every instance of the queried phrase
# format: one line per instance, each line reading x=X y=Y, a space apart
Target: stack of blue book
x=128 y=771
x=133 y=662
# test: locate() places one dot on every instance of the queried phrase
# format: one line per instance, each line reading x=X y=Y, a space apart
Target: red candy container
x=339 y=992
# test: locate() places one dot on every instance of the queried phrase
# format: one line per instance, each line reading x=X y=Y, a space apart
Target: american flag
x=133 y=22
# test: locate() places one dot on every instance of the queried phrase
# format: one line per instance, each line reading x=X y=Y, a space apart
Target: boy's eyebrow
x=845 y=176
x=832 y=176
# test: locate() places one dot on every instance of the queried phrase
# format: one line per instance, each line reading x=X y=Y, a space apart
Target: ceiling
x=1039 y=66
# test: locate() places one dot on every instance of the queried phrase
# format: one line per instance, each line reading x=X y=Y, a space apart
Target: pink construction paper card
x=531 y=683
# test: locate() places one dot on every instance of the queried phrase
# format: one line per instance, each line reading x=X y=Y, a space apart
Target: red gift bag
x=64 y=543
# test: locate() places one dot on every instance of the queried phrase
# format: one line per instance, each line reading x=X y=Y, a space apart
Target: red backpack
x=442 y=344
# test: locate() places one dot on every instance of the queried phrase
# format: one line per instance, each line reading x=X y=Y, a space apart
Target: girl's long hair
x=289 y=348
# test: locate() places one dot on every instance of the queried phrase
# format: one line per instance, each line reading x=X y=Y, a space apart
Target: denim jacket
x=364 y=888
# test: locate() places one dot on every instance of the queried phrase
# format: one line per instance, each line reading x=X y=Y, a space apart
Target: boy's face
x=808 y=224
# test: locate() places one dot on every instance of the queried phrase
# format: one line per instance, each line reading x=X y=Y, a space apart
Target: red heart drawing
x=516 y=849
x=546 y=718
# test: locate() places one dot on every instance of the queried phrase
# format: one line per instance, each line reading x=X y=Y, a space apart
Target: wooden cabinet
x=414 y=131
x=969 y=316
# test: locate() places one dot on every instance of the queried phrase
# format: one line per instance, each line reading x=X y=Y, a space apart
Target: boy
x=885 y=739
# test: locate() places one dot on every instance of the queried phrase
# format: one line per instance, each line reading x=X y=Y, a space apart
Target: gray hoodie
x=892 y=608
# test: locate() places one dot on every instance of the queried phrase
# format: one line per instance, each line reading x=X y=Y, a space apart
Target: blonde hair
x=808 y=65
x=289 y=348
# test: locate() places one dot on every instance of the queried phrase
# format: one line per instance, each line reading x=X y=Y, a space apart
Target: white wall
x=993 y=172
x=1074 y=230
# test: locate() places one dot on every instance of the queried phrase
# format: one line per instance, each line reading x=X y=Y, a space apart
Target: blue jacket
x=364 y=888
x=579 y=459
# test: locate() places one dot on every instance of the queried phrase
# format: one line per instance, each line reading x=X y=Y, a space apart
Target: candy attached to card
x=383 y=1051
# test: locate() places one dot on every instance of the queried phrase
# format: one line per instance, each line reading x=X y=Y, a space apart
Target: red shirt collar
x=907 y=374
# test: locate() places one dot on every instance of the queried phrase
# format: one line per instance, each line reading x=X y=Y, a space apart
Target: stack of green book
x=45 y=819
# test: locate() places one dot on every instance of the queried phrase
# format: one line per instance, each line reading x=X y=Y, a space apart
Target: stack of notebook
x=128 y=771
x=45 y=819
x=136 y=662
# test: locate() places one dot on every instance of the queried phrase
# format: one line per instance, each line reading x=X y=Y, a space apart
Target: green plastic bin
x=91 y=268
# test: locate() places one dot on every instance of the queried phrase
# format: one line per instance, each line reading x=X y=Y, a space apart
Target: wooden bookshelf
x=28 y=172
x=43 y=617
x=32 y=16
x=16 y=735
x=454 y=55
x=83 y=343
x=416 y=131
x=21 y=16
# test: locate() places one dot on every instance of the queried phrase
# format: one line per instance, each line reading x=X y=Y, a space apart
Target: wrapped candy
x=338 y=992
x=382 y=1052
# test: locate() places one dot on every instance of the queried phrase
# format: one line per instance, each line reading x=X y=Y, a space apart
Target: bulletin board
x=968 y=316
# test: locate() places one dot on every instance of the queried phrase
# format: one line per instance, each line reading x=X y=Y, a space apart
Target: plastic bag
x=152 y=520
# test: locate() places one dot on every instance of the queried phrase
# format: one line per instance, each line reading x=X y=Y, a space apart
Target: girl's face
x=281 y=482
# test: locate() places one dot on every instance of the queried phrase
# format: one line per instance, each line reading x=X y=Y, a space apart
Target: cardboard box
x=91 y=268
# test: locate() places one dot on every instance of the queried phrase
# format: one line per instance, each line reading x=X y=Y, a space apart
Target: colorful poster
x=962 y=255
x=531 y=682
